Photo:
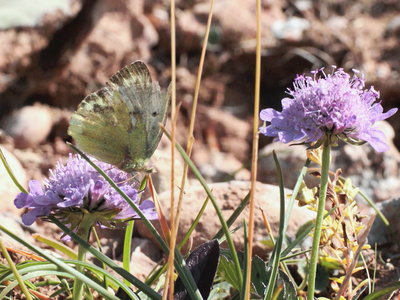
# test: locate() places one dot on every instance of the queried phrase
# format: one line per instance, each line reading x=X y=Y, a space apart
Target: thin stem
x=175 y=220
x=326 y=152
x=171 y=256
x=65 y=266
x=375 y=267
x=271 y=236
x=254 y=150
x=105 y=281
x=83 y=232
x=191 y=139
x=374 y=207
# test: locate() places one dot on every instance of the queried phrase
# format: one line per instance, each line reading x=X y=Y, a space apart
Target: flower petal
x=35 y=187
x=21 y=200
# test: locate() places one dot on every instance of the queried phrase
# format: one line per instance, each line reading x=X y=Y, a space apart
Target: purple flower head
x=77 y=187
x=335 y=104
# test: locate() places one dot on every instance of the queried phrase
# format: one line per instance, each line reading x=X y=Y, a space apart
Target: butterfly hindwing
x=119 y=124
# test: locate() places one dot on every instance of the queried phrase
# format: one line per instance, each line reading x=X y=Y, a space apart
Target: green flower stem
x=83 y=231
x=312 y=270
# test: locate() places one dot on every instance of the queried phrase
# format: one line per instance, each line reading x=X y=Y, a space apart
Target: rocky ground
x=49 y=64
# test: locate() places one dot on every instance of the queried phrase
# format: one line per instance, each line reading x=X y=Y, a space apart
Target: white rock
x=8 y=190
x=30 y=125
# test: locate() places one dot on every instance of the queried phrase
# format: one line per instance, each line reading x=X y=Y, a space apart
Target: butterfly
x=119 y=124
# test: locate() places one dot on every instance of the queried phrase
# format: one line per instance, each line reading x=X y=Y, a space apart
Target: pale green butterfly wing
x=119 y=124
x=147 y=107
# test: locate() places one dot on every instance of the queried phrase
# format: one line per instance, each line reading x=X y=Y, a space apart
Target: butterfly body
x=119 y=124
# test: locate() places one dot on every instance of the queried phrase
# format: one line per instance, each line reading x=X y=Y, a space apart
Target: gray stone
x=382 y=234
x=376 y=174
x=291 y=159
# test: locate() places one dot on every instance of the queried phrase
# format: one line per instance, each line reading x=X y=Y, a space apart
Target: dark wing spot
x=98 y=108
x=155 y=114
x=103 y=92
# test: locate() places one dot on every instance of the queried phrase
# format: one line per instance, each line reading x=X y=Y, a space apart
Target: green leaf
x=220 y=291
x=382 y=292
x=260 y=278
x=226 y=271
x=289 y=291
x=259 y=275
x=126 y=253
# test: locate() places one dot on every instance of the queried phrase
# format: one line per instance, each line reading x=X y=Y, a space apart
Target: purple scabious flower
x=334 y=104
x=76 y=188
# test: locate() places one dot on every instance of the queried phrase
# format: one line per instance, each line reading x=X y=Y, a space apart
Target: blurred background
x=54 y=52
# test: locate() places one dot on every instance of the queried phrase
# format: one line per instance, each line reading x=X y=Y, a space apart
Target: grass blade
x=278 y=245
x=19 y=279
x=296 y=191
x=382 y=292
x=194 y=224
x=56 y=245
x=246 y=268
x=234 y=216
x=30 y=267
x=126 y=252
